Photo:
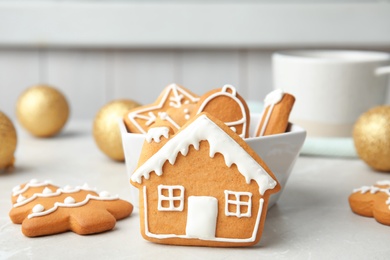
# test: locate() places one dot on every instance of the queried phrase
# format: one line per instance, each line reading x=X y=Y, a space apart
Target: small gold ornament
x=106 y=130
x=8 y=140
x=42 y=110
x=371 y=136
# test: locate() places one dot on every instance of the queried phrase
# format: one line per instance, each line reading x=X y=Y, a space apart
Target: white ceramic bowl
x=279 y=152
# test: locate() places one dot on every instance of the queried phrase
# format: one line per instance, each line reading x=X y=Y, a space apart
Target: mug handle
x=382 y=70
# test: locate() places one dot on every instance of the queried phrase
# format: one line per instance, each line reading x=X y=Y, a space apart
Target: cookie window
x=238 y=203
x=170 y=198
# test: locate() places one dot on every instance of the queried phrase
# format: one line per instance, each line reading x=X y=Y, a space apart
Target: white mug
x=332 y=87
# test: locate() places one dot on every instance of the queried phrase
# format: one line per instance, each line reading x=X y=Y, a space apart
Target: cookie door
x=202 y=217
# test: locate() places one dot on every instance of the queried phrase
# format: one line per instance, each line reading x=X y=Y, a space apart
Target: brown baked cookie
x=78 y=209
x=229 y=107
x=138 y=120
x=202 y=186
x=372 y=201
x=277 y=109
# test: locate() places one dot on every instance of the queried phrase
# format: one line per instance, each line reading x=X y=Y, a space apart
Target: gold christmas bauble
x=42 y=110
x=106 y=130
x=371 y=136
x=8 y=140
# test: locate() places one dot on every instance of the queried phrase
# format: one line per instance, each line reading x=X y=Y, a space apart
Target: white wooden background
x=39 y=43
x=91 y=78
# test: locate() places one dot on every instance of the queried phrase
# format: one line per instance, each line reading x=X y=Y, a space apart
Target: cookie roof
x=204 y=129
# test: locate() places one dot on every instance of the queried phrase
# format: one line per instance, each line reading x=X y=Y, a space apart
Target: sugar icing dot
x=16 y=188
x=163 y=115
x=104 y=194
x=187 y=116
x=38 y=208
x=69 y=200
x=68 y=187
x=47 y=190
x=20 y=198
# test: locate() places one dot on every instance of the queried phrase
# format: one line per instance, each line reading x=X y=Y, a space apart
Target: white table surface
x=312 y=219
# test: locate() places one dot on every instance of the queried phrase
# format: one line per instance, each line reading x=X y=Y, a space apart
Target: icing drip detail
x=156 y=133
x=203 y=129
x=384 y=182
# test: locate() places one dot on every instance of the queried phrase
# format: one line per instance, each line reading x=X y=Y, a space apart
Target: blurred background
x=97 y=51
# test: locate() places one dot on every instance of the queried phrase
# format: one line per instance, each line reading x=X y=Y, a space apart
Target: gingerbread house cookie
x=276 y=112
x=138 y=120
x=202 y=186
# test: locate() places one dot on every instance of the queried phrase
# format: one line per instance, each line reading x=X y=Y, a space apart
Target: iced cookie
x=79 y=209
x=229 y=107
x=202 y=186
x=138 y=120
x=372 y=201
x=277 y=109
x=174 y=117
x=25 y=191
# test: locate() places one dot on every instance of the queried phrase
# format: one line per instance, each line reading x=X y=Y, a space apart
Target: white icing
x=32 y=184
x=38 y=208
x=53 y=194
x=85 y=186
x=219 y=239
x=175 y=100
x=233 y=129
x=224 y=92
x=270 y=101
x=166 y=117
x=238 y=203
x=68 y=187
x=34 y=181
x=71 y=205
x=20 y=198
x=47 y=190
x=155 y=134
x=104 y=194
x=170 y=198
x=16 y=188
x=220 y=142
x=179 y=93
x=202 y=216
x=151 y=119
x=384 y=182
x=371 y=189
x=187 y=116
x=69 y=200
